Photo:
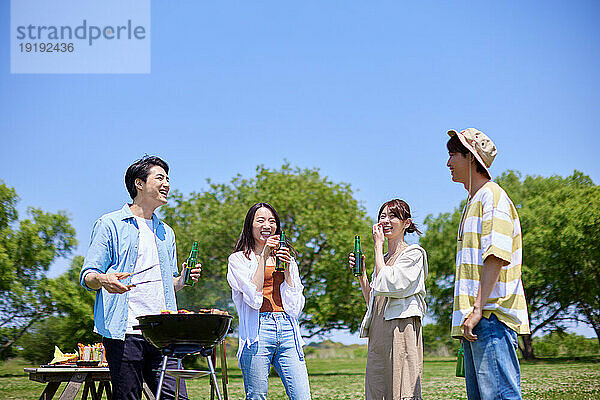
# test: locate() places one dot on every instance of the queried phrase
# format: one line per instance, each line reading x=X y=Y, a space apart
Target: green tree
x=561 y=225
x=560 y=221
x=27 y=248
x=72 y=321
x=437 y=342
x=439 y=240
x=319 y=217
x=562 y=344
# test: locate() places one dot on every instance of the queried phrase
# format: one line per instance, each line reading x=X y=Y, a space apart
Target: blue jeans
x=491 y=366
x=276 y=345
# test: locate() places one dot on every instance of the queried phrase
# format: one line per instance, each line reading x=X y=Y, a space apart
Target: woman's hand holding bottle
x=363 y=279
x=284 y=254
x=272 y=243
x=272 y=247
x=352 y=262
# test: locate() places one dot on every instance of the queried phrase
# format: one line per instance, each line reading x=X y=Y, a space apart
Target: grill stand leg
x=162 y=377
x=177 y=380
x=213 y=376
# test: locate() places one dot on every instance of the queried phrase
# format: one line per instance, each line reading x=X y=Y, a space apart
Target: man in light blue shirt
x=132 y=265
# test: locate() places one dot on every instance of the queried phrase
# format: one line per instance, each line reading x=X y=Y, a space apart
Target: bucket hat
x=479 y=144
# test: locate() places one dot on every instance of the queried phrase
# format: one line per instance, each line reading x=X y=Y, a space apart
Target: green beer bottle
x=460 y=362
x=358 y=257
x=190 y=264
x=279 y=263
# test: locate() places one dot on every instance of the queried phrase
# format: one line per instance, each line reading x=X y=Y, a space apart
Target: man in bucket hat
x=489 y=302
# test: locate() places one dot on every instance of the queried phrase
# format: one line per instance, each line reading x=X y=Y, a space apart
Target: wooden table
x=88 y=377
x=76 y=377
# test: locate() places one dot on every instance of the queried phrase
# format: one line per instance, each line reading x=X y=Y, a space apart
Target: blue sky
x=365 y=92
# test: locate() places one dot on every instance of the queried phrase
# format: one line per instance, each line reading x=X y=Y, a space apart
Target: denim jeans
x=276 y=345
x=491 y=366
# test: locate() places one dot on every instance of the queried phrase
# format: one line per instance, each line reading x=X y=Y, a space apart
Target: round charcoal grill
x=178 y=335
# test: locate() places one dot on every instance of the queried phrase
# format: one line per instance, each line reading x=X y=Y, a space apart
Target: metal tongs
x=129 y=274
x=132 y=285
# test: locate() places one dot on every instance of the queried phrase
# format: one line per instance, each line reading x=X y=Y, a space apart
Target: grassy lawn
x=336 y=379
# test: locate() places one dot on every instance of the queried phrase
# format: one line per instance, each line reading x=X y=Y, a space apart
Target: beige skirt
x=394 y=357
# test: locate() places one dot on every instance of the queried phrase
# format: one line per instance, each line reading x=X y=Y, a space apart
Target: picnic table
x=95 y=382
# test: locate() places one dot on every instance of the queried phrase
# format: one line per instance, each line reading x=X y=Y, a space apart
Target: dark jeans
x=133 y=361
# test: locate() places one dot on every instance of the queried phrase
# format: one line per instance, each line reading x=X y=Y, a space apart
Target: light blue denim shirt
x=114 y=248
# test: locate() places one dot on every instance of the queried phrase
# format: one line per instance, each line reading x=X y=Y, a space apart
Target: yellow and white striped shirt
x=490 y=226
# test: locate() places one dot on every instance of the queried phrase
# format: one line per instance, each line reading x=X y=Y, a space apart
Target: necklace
x=461 y=225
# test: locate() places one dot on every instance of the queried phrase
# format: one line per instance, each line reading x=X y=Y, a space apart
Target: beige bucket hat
x=479 y=144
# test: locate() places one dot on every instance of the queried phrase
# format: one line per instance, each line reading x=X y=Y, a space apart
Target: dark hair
x=140 y=169
x=400 y=209
x=245 y=242
x=454 y=145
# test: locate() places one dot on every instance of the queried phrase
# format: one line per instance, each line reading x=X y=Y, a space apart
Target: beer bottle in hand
x=190 y=264
x=279 y=263
x=358 y=257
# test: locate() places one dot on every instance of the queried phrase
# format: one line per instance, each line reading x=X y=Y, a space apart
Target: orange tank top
x=271 y=290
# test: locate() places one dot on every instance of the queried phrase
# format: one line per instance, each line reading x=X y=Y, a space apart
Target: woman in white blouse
x=268 y=303
x=396 y=306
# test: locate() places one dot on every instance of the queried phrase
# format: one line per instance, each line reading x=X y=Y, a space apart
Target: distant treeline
x=556 y=344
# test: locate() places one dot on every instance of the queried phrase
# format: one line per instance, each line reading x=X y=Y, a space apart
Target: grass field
x=336 y=379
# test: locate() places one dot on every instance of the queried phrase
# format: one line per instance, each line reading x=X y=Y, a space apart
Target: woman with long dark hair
x=268 y=303
x=396 y=306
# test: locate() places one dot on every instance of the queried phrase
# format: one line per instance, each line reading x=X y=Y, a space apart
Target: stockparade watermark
x=109 y=36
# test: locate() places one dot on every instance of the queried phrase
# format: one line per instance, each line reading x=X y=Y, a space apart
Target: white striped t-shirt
x=490 y=226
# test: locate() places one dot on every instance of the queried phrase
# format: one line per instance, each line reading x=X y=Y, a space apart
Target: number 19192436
x=46 y=47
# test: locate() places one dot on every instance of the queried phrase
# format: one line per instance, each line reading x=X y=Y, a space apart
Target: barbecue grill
x=179 y=335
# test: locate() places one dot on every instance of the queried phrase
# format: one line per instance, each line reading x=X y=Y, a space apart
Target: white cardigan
x=248 y=299
x=404 y=285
